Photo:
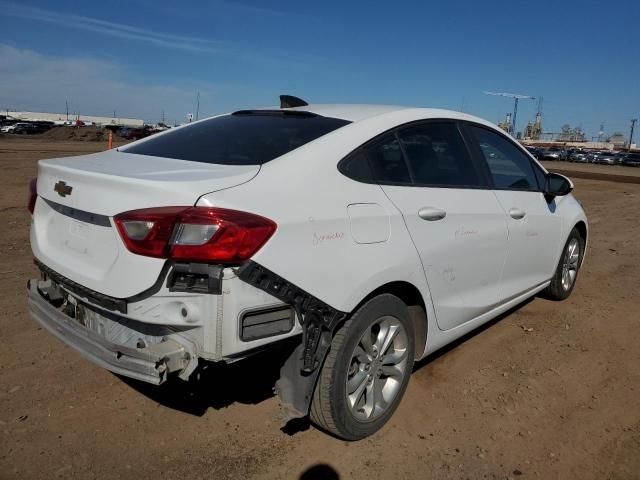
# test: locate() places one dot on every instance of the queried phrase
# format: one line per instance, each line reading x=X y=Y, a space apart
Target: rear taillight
x=33 y=194
x=197 y=234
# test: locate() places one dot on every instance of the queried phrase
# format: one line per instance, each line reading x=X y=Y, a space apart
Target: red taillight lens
x=33 y=194
x=199 y=234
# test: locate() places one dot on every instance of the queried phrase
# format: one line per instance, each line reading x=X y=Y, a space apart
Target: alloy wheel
x=570 y=264
x=377 y=368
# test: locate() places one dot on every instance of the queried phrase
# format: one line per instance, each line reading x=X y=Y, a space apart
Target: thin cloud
x=112 y=29
x=92 y=87
x=263 y=58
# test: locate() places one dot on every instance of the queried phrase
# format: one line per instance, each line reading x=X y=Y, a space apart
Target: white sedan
x=368 y=236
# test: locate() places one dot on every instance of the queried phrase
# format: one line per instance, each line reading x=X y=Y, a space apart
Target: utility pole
x=66 y=102
x=633 y=124
x=198 y=106
x=515 y=97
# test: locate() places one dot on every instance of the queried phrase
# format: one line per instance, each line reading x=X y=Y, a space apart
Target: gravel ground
x=549 y=390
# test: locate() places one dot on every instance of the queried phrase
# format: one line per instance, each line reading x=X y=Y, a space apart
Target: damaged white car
x=373 y=234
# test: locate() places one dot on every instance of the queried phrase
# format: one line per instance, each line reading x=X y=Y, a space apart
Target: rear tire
x=566 y=274
x=366 y=371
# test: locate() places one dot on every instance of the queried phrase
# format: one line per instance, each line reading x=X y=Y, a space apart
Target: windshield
x=243 y=138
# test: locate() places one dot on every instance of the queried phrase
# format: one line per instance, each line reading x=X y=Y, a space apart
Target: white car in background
x=373 y=234
x=11 y=128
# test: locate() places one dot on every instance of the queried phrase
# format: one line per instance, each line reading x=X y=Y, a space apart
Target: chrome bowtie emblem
x=62 y=188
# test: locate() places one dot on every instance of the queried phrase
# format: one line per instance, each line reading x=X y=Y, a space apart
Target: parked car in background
x=369 y=236
x=630 y=159
x=607 y=158
x=12 y=128
x=554 y=153
x=5 y=124
x=136 y=133
x=581 y=156
x=34 y=128
x=26 y=128
x=535 y=151
x=594 y=155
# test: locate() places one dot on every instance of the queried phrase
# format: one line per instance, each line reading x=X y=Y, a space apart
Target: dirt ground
x=550 y=390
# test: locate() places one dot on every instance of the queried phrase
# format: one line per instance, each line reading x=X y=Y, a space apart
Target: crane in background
x=516 y=97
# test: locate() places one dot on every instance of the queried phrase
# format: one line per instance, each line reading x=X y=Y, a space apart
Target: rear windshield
x=242 y=138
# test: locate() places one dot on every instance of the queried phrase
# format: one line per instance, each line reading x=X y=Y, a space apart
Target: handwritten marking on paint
x=463 y=232
x=319 y=238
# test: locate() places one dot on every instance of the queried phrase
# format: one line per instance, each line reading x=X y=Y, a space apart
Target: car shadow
x=251 y=380
x=218 y=385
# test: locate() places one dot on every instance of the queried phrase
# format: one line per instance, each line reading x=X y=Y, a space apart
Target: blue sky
x=143 y=57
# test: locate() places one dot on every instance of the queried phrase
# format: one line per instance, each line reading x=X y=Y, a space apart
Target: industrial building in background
x=533 y=132
x=507 y=124
x=65 y=118
x=516 y=97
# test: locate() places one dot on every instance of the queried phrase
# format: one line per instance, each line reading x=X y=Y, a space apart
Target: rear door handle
x=431 y=213
x=516 y=213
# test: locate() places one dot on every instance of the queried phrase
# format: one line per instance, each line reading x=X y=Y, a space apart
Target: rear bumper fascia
x=151 y=364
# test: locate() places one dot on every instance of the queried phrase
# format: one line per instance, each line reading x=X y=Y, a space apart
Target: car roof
x=360 y=112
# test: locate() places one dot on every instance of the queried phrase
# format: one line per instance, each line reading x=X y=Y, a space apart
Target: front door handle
x=516 y=213
x=431 y=213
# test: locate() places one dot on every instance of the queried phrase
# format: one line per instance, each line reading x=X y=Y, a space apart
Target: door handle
x=431 y=213
x=516 y=213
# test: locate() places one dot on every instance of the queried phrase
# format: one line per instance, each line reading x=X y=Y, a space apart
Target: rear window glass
x=250 y=138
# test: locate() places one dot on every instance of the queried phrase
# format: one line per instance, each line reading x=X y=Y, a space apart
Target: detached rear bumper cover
x=151 y=364
x=319 y=321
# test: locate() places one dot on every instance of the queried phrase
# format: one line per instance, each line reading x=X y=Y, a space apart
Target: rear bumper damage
x=150 y=358
x=147 y=351
x=319 y=321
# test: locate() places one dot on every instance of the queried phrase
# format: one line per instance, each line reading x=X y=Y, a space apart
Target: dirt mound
x=83 y=134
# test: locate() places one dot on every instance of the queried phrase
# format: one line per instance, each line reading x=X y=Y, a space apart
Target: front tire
x=566 y=274
x=366 y=371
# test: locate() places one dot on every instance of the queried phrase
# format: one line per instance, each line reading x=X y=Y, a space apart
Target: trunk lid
x=73 y=232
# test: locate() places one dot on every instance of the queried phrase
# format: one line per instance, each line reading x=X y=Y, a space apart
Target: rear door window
x=510 y=168
x=243 y=138
x=437 y=156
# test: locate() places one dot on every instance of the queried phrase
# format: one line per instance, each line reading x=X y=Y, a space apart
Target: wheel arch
x=414 y=301
x=583 y=230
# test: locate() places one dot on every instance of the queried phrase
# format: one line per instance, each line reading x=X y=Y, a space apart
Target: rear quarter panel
x=313 y=247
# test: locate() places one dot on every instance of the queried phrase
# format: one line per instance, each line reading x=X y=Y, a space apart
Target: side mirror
x=557 y=185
